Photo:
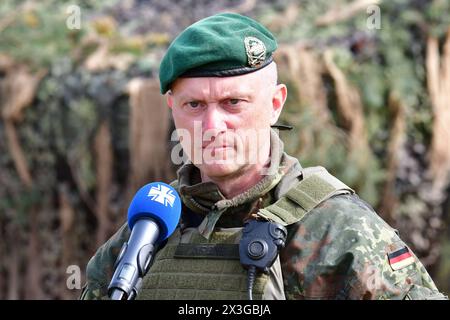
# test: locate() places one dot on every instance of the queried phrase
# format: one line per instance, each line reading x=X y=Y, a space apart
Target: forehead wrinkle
x=213 y=89
x=210 y=89
x=190 y=88
x=234 y=87
x=228 y=88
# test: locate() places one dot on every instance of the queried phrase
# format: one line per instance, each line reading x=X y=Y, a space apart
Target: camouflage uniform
x=337 y=250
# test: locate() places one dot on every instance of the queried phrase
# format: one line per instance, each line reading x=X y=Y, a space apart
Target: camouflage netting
x=78 y=118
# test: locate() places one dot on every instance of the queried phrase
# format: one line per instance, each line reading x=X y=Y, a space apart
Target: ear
x=169 y=99
x=278 y=100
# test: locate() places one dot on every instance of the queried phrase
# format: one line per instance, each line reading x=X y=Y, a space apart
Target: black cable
x=251 y=274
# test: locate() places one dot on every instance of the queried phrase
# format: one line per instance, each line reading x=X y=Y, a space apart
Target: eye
x=233 y=102
x=194 y=104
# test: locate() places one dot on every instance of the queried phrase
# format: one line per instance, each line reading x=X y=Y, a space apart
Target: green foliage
x=437 y=17
x=36 y=34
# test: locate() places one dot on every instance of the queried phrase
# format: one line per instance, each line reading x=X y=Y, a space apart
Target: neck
x=237 y=183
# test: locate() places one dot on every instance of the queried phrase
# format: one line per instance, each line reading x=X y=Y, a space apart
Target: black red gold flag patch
x=400 y=257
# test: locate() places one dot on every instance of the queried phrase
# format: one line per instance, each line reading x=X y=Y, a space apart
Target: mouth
x=209 y=147
x=216 y=145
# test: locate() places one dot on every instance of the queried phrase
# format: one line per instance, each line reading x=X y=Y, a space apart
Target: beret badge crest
x=256 y=51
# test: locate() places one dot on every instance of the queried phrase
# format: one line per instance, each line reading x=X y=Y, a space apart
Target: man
x=220 y=80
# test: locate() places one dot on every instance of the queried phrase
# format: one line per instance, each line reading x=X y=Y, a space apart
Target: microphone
x=153 y=216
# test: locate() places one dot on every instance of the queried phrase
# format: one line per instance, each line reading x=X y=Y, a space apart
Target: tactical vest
x=192 y=267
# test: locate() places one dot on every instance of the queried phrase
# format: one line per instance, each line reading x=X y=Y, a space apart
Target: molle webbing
x=196 y=270
x=316 y=186
x=207 y=251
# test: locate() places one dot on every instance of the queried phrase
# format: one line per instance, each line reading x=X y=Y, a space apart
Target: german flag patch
x=399 y=256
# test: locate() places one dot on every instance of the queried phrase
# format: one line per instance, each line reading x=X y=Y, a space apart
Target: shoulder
x=343 y=229
x=347 y=217
x=345 y=241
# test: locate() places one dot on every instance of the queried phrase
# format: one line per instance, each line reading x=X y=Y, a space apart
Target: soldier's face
x=224 y=123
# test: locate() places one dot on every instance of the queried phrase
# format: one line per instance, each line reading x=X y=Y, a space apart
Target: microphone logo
x=162 y=194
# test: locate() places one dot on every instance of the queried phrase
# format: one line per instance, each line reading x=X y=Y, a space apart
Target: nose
x=214 y=119
x=213 y=124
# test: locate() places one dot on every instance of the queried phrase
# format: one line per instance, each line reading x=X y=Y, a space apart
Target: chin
x=220 y=164
x=217 y=170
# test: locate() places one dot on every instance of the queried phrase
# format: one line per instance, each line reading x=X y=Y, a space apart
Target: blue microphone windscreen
x=160 y=202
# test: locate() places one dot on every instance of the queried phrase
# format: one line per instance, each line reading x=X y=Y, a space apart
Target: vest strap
x=208 y=251
x=316 y=186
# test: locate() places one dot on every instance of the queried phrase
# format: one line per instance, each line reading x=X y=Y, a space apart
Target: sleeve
x=100 y=267
x=343 y=250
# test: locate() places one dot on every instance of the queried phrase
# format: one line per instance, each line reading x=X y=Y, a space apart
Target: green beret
x=222 y=45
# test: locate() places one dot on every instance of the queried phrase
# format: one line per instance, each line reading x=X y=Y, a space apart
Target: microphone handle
x=134 y=259
x=117 y=294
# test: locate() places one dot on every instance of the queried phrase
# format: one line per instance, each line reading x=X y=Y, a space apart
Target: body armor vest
x=193 y=267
